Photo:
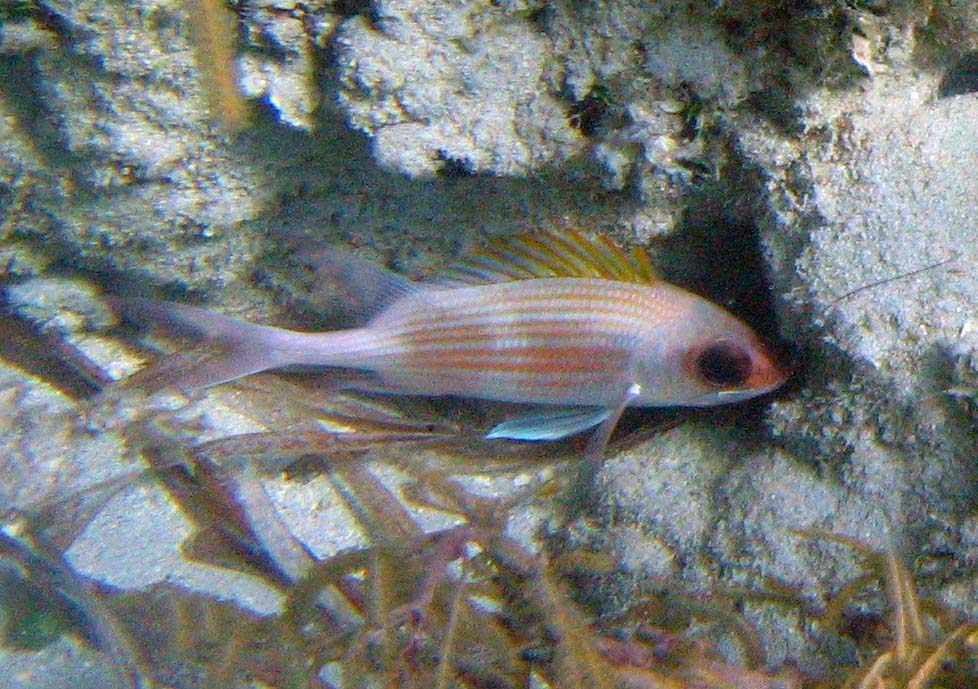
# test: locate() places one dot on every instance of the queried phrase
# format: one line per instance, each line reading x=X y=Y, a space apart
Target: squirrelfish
x=576 y=327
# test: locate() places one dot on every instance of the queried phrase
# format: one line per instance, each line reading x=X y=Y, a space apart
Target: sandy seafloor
x=774 y=159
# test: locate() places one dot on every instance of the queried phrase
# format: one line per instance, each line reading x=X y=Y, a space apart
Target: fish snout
x=767 y=371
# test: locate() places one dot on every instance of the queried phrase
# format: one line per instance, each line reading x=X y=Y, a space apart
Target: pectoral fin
x=552 y=424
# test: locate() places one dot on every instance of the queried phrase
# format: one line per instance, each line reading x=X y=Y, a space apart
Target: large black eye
x=724 y=365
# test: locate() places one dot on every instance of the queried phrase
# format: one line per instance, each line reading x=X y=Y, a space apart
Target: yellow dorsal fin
x=566 y=254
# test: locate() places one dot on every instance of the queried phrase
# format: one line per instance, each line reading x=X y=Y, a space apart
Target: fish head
x=710 y=357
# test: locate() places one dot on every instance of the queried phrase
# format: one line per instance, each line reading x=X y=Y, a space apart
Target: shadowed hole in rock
x=962 y=78
x=454 y=167
x=719 y=256
x=588 y=114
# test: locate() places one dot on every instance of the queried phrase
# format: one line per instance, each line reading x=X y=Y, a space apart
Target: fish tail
x=242 y=348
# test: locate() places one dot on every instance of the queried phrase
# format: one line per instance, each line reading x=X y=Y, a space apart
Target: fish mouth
x=730 y=396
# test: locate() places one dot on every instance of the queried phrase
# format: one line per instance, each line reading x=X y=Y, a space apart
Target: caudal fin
x=241 y=348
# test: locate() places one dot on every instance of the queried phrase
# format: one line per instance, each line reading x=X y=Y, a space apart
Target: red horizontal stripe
x=539 y=360
x=532 y=297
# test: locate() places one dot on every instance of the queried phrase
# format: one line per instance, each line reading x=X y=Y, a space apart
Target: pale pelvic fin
x=551 y=255
x=593 y=455
x=552 y=424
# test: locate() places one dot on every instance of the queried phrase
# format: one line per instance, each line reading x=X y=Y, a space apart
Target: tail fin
x=244 y=348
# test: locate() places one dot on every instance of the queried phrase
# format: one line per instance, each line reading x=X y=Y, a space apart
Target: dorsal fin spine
x=552 y=255
x=573 y=246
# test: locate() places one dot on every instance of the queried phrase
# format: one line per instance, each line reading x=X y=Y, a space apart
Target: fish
x=576 y=328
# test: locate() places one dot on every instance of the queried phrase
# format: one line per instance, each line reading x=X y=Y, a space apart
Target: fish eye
x=724 y=365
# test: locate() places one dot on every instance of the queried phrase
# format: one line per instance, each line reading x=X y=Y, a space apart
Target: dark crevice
x=719 y=256
x=962 y=78
x=359 y=8
x=589 y=114
x=19 y=88
x=454 y=167
x=540 y=17
x=13 y=11
x=350 y=8
x=776 y=104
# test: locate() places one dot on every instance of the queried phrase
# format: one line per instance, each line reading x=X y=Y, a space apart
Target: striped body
x=552 y=319
x=549 y=341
